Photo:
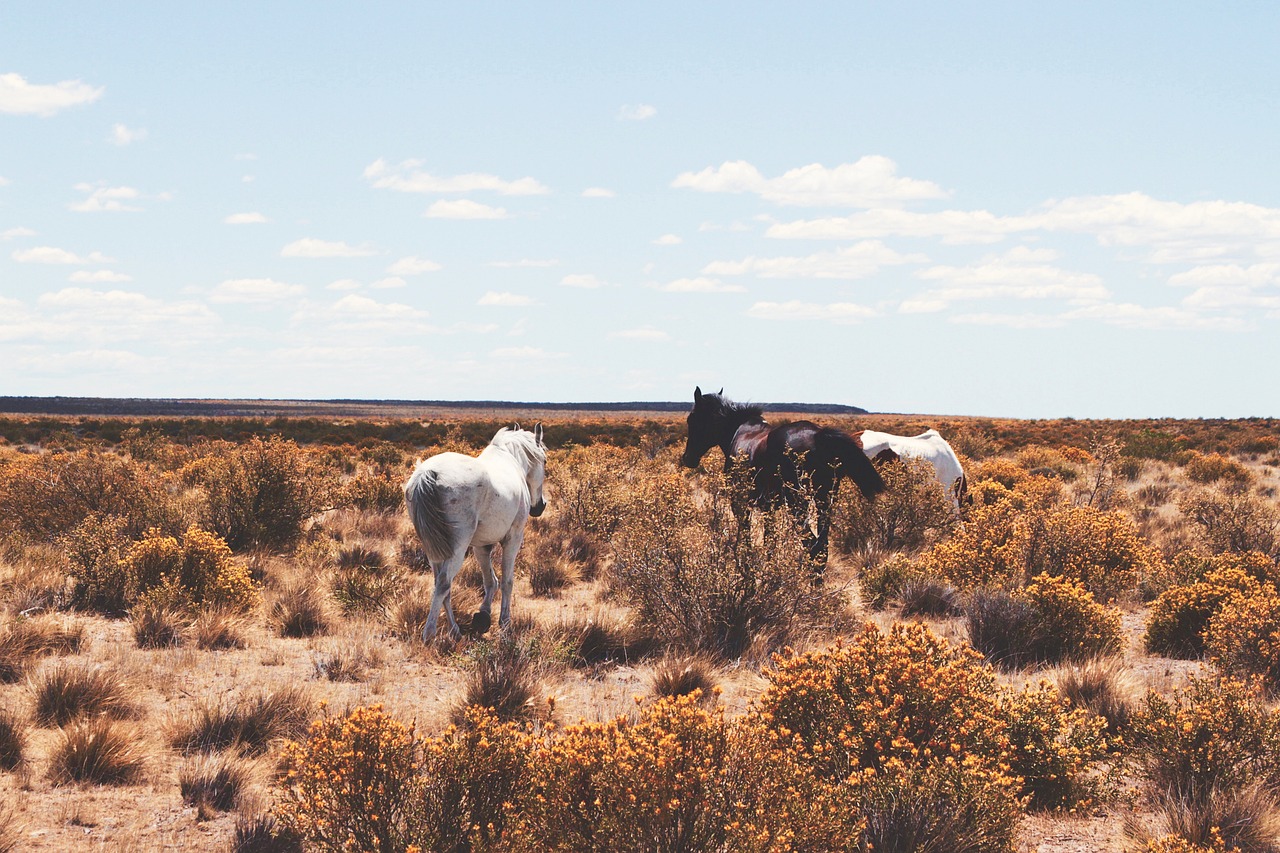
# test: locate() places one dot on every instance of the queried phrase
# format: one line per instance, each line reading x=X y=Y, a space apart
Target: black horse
x=784 y=465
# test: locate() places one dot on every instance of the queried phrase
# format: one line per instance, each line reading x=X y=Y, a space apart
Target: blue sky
x=983 y=209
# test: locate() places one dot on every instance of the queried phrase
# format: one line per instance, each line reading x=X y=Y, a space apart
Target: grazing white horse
x=930 y=445
x=481 y=501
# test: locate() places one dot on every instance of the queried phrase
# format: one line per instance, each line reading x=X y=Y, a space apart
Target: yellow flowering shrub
x=1173 y=843
x=1179 y=619
x=198 y=571
x=1243 y=637
x=352 y=783
x=1215 y=467
x=1056 y=749
x=1213 y=735
x=1073 y=625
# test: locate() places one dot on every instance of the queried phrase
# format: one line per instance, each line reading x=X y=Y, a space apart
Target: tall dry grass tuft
x=504 y=679
x=214 y=782
x=13 y=740
x=249 y=723
x=925 y=596
x=349 y=660
x=301 y=610
x=66 y=691
x=262 y=833
x=23 y=640
x=218 y=628
x=1104 y=686
x=100 y=751
x=682 y=676
x=156 y=625
x=1245 y=819
x=599 y=638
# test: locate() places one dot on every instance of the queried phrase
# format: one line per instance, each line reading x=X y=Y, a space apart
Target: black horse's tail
x=852 y=462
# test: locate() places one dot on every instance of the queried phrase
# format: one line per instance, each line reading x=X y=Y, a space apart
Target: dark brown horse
x=784 y=465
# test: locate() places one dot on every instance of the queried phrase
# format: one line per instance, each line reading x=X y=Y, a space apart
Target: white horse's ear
x=537 y=432
x=516 y=426
x=697 y=393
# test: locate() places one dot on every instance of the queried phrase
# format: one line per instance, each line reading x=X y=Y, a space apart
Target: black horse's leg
x=818 y=550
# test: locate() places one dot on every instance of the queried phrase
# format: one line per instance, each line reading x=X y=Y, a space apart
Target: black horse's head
x=705 y=426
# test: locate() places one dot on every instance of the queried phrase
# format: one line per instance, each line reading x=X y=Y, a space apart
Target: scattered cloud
x=850 y=262
x=872 y=181
x=122 y=135
x=667 y=240
x=1012 y=321
x=409 y=177
x=52 y=255
x=344 y=284
x=636 y=112
x=525 y=352
x=1228 y=276
x=834 y=312
x=585 y=281
x=256 y=291
x=389 y=283
x=106 y=199
x=598 y=192
x=94 y=317
x=99 y=277
x=505 y=300
x=464 y=208
x=309 y=247
x=1020 y=273
x=701 y=284
x=355 y=313
x=251 y=218
x=526 y=263
x=954 y=227
x=646 y=333
x=15 y=233
x=413 y=265
x=19 y=97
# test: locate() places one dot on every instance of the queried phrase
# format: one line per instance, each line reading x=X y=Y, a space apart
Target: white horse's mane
x=521 y=444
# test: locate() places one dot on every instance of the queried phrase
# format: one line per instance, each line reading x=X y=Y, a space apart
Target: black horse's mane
x=738 y=412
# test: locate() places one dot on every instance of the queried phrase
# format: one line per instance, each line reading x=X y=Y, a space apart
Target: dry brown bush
x=913 y=510
x=100 y=751
x=66 y=691
x=1233 y=521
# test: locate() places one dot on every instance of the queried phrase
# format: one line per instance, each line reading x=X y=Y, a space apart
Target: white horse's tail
x=426 y=507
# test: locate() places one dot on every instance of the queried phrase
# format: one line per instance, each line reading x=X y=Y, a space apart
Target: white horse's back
x=928 y=445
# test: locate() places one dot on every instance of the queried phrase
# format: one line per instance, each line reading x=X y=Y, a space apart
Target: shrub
x=366 y=588
x=376 y=492
x=882 y=583
x=697 y=577
x=914 y=508
x=1234 y=521
x=1055 y=748
x=66 y=691
x=300 y=611
x=351 y=783
x=1102 y=686
x=101 y=751
x=1051 y=620
x=1214 y=467
x=929 y=597
x=594 y=495
x=1212 y=735
x=260 y=493
x=200 y=571
x=94 y=552
x=1242 y=637
x=504 y=679
x=1179 y=619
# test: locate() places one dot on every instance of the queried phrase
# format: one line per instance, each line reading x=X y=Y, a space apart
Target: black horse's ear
x=697 y=393
x=720 y=393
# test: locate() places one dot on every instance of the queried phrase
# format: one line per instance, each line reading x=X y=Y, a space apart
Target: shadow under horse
x=784 y=465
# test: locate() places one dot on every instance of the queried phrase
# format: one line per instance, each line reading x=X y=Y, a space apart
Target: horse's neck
x=504 y=455
x=741 y=427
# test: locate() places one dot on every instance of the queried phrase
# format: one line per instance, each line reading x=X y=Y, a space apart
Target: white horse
x=457 y=501
x=929 y=445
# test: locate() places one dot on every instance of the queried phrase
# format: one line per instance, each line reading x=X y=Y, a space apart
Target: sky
x=1001 y=209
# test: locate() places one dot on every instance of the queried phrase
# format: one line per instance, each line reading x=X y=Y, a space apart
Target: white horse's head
x=529 y=449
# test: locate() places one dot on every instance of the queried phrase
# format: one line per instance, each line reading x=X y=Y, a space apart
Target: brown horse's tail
x=853 y=463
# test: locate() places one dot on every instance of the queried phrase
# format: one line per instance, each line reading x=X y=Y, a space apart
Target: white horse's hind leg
x=484 y=617
x=510 y=547
x=441 y=597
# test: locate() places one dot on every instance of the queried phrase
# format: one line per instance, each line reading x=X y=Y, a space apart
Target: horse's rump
x=425 y=498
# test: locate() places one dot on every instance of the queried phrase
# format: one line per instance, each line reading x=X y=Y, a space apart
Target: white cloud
x=598 y=192
x=344 y=284
x=1226 y=298
x=526 y=352
x=1020 y=273
x=250 y=218
x=122 y=135
x=408 y=177
x=701 y=284
x=835 y=312
x=413 y=266
x=1013 y=321
x=464 y=208
x=872 y=181
x=14 y=233
x=52 y=255
x=4 y=182
x=309 y=247
x=18 y=97
x=647 y=333
x=586 y=281
x=357 y=313
x=667 y=240
x=1129 y=315
x=528 y=263
x=98 y=277
x=388 y=283
x=93 y=317
x=256 y=291
x=505 y=300
x=106 y=199
x=850 y=262
x=1228 y=275
x=951 y=226
x=636 y=112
